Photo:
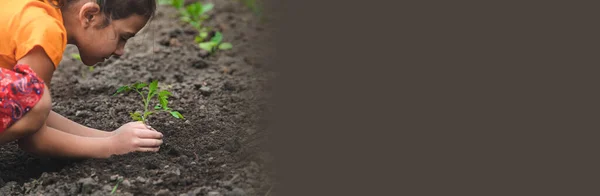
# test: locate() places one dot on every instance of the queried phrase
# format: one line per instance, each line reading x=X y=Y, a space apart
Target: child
x=33 y=37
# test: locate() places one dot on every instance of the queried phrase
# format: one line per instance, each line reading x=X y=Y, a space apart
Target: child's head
x=100 y=28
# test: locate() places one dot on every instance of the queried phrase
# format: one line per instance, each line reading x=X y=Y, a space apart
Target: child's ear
x=89 y=14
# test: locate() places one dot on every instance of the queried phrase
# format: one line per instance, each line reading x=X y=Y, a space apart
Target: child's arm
x=49 y=141
x=59 y=122
x=53 y=142
x=40 y=63
x=130 y=137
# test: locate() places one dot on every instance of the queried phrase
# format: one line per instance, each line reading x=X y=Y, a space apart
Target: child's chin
x=90 y=63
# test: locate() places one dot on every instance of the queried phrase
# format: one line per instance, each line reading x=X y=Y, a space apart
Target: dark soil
x=216 y=151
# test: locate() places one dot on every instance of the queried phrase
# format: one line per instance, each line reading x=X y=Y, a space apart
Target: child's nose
x=119 y=52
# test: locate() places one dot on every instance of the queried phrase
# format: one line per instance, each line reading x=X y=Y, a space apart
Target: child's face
x=98 y=44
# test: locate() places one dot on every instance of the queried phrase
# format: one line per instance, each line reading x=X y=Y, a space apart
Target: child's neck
x=69 y=20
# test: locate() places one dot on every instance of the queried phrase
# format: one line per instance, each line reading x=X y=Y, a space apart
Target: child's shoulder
x=32 y=8
x=29 y=23
x=15 y=14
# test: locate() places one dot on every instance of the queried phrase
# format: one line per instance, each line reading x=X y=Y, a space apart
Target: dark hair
x=118 y=9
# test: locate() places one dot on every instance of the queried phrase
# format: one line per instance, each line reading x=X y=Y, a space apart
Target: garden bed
x=216 y=150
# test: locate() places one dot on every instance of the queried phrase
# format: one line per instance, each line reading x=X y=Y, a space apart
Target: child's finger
x=147 y=133
x=150 y=143
x=138 y=124
x=148 y=149
x=151 y=128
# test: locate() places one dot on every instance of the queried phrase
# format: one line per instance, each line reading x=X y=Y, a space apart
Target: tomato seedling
x=175 y=3
x=116 y=186
x=76 y=56
x=215 y=43
x=147 y=93
x=195 y=14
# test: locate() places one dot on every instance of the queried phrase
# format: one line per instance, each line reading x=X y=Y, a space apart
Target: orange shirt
x=25 y=24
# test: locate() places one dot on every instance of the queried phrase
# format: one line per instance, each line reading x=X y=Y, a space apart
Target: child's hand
x=135 y=136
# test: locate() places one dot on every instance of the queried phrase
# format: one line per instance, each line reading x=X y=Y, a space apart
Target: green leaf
x=121 y=89
x=203 y=34
x=207 y=7
x=115 y=187
x=184 y=13
x=178 y=3
x=157 y=107
x=201 y=37
x=76 y=56
x=198 y=39
x=195 y=24
x=148 y=113
x=139 y=85
x=186 y=19
x=152 y=89
x=225 y=46
x=208 y=46
x=136 y=116
x=203 y=17
x=165 y=2
x=217 y=38
x=163 y=98
x=164 y=93
x=194 y=10
x=176 y=114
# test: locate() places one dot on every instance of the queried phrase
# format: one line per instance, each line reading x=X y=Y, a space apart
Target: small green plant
x=175 y=3
x=215 y=43
x=76 y=56
x=195 y=14
x=147 y=93
x=116 y=185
